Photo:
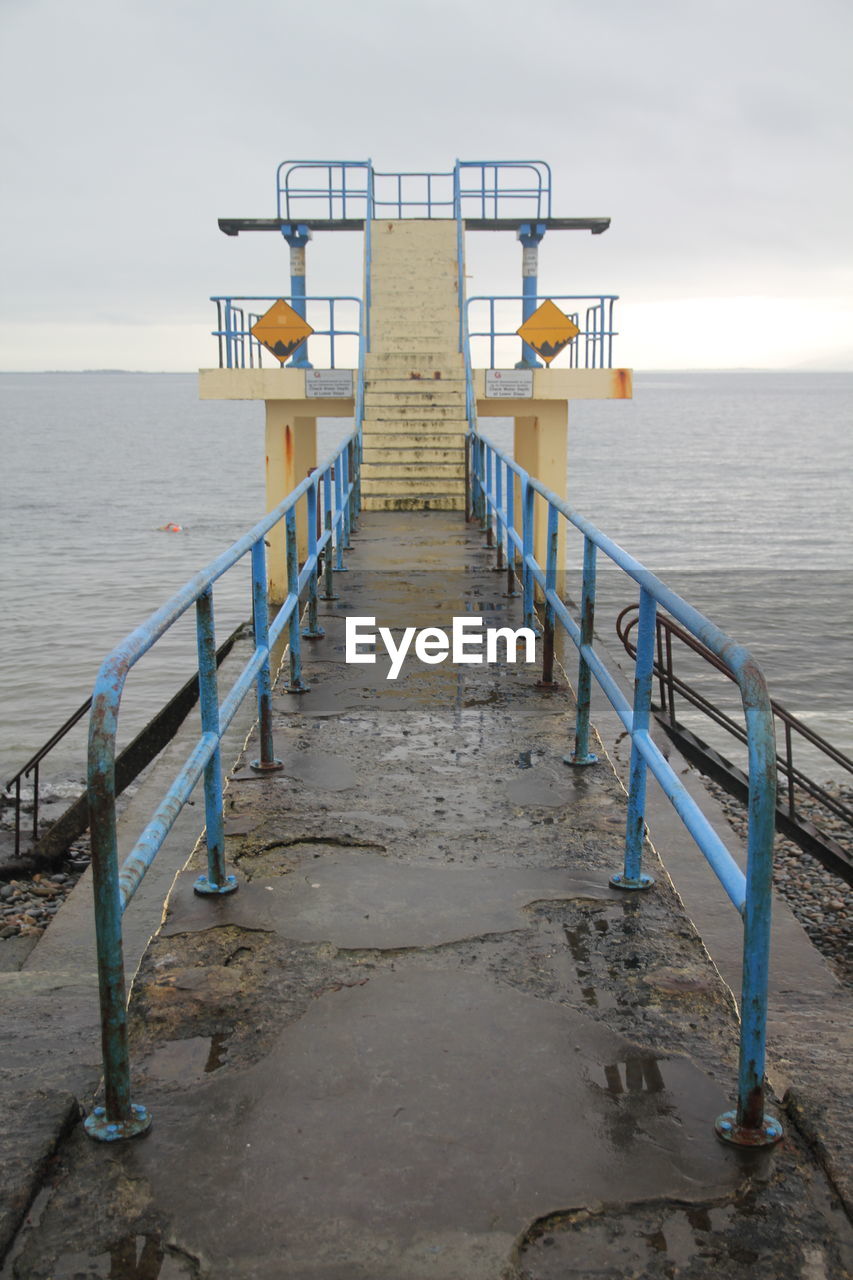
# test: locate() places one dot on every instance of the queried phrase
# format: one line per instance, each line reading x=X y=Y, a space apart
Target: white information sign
x=509 y=384
x=328 y=384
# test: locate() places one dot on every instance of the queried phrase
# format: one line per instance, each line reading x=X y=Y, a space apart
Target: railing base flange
x=578 y=762
x=267 y=766
x=99 y=1127
x=297 y=688
x=206 y=888
x=767 y=1135
x=548 y=684
x=621 y=881
x=313 y=635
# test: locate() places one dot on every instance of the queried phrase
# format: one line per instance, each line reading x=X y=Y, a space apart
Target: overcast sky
x=715 y=134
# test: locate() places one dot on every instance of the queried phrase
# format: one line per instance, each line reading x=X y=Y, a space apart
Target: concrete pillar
x=291 y=452
x=530 y=236
x=297 y=238
x=540 y=445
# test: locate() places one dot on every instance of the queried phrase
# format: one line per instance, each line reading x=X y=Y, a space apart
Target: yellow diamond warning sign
x=548 y=330
x=281 y=330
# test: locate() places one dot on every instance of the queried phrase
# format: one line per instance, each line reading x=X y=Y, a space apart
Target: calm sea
x=734 y=487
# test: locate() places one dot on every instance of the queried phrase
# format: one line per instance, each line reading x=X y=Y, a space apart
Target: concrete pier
x=426 y=1040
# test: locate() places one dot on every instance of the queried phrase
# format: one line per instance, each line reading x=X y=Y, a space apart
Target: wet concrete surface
x=426 y=1040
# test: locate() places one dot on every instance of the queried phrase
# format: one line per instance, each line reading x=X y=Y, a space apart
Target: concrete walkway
x=426 y=1040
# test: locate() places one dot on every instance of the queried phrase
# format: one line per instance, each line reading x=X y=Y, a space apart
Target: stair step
x=408 y=469
x=424 y=502
x=408 y=452
x=427 y=394
x=447 y=358
x=415 y=486
x=403 y=385
x=419 y=428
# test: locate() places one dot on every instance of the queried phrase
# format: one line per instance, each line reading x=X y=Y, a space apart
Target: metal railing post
x=295 y=683
x=528 y=495
x=328 y=534
x=346 y=467
x=511 y=551
x=748 y=1125
x=119 y=1117
x=486 y=523
x=217 y=880
x=633 y=877
x=313 y=630
x=499 y=525
x=582 y=754
x=340 y=567
x=266 y=762
x=548 y=681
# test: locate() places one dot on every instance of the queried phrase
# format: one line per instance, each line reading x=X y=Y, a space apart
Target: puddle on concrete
x=661 y=1241
x=638 y=1073
x=134 y=1257
x=182 y=1061
x=218 y=1052
x=535 y=792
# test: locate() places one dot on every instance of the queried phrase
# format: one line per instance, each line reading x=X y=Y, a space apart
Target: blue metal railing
x=591 y=349
x=331 y=498
x=493 y=191
x=497 y=486
x=352 y=189
x=329 y=189
x=239 y=349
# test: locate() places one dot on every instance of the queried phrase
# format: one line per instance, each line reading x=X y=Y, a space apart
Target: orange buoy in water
x=170 y=528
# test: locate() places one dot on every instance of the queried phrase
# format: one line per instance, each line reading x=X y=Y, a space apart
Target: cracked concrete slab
x=367 y=901
x=426 y=1040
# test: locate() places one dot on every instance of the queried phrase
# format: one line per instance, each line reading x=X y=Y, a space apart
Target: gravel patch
x=29 y=903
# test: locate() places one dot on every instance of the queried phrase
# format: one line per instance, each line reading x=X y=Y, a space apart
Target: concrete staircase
x=414 y=401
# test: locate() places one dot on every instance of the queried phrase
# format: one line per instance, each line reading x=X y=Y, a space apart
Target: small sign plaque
x=509 y=384
x=328 y=384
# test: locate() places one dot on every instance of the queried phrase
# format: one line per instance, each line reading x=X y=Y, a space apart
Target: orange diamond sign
x=548 y=330
x=281 y=330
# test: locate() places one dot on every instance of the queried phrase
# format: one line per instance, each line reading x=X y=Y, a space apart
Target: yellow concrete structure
x=290 y=439
x=414 y=403
x=414 y=421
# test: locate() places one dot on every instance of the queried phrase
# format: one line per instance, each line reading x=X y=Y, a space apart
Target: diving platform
x=422 y=1000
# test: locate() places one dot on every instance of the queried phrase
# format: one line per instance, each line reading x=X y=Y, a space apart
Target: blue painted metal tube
x=499 y=512
x=582 y=753
x=313 y=630
x=750 y=894
x=328 y=535
x=339 y=517
x=512 y=543
x=209 y=705
x=113 y=889
x=527 y=499
x=347 y=487
x=550 y=592
x=260 y=615
x=485 y=519
x=635 y=831
x=107 y=904
x=295 y=642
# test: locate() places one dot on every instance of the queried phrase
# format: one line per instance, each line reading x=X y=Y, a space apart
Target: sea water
x=735 y=487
